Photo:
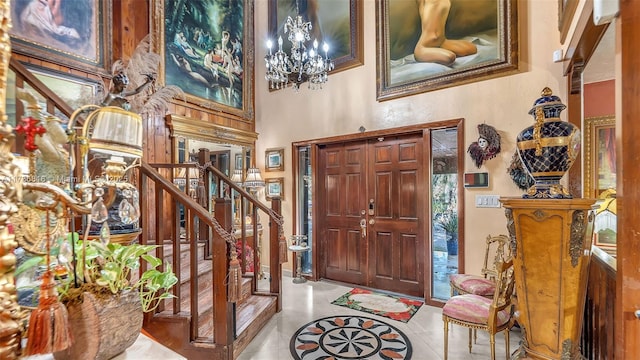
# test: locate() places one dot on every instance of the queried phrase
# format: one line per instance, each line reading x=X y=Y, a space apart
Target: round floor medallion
x=349 y=337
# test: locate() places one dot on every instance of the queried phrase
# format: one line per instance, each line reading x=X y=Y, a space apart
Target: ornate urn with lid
x=548 y=148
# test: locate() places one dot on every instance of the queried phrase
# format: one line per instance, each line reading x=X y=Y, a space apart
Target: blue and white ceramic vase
x=548 y=148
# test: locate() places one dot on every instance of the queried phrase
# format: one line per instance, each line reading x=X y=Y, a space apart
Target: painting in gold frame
x=74 y=33
x=489 y=45
x=185 y=37
x=599 y=155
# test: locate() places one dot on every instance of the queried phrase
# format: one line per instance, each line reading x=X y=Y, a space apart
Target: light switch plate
x=487 y=201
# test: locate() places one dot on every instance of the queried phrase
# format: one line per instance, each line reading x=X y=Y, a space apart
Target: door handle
x=363 y=227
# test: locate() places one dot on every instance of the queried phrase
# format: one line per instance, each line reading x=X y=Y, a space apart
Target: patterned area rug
x=390 y=306
x=349 y=337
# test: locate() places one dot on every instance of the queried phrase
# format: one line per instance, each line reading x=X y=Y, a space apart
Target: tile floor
x=303 y=303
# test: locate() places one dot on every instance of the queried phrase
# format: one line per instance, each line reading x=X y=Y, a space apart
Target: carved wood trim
x=190 y=128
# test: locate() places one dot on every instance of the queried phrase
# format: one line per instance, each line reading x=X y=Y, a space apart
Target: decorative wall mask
x=487 y=146
x=519 y=174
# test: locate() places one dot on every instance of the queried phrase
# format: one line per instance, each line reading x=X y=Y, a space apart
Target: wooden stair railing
x=224 y=330
x=226 y=343
x=247 y=200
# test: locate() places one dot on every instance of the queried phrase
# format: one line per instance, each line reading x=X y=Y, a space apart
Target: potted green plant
x=449 y=223
x=106 y=310
x=106 y=300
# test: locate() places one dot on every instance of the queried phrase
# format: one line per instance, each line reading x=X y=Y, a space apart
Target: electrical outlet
x=487 y=201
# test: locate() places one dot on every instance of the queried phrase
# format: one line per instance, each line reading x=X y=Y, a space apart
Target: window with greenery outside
x=445 y=209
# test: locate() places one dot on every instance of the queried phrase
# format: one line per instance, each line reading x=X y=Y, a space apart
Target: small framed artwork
x=274 y=160
x=420 y=50
x=71 y=33
x=207 y=48
x=274 y=187
x=476 y=180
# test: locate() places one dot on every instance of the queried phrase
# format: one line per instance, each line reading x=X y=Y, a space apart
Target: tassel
x=283 y=250
x=201 y=195
x=49 y=323
x=234 y=286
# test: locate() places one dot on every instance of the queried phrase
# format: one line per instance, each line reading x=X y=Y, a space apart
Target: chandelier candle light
x=302 y=65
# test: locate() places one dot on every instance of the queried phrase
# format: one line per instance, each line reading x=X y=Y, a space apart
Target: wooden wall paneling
x=627 y=331
x=130 y=25
x=599 y=328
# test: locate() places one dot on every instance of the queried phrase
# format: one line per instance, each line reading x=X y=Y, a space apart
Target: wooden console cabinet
x=551 y=243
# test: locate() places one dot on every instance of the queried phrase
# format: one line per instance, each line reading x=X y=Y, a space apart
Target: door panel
x=341 y=182
x=396 y=234
x=379 y=182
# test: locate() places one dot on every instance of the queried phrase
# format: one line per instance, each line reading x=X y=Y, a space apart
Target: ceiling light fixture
x=303 y=64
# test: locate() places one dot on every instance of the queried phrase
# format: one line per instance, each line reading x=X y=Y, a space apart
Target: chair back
x=497 y=249
x=502 y=298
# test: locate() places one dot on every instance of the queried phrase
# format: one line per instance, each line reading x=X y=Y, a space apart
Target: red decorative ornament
x=30 y=127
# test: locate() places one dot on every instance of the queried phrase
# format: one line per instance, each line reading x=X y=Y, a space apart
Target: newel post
x=275 y=268
x=223 y=312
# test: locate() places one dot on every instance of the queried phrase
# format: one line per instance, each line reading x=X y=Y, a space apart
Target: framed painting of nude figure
x=336 y=22
x=206 y=48
x=429 y=45
x=72 y=33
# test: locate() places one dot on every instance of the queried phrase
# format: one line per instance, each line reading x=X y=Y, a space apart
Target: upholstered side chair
x=497 y=249
x=481 y=313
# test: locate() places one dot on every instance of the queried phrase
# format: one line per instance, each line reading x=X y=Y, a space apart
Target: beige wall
x=349 y=101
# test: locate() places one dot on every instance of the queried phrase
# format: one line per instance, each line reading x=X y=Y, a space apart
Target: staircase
x=205 y=319
x=252 y=311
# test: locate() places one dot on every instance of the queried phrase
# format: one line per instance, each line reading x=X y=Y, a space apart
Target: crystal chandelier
x=303 y=64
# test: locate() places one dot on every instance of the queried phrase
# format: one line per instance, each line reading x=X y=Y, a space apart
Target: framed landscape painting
x=420 y=51
x=207 y=48
x=72 y=33
x=274 y=187
x=274 y=159
x=336 y=22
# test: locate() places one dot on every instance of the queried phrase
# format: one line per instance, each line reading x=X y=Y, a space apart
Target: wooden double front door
x=371 y=202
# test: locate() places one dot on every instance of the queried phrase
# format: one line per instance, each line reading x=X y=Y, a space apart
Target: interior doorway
x=366 y=201
x=372 y=231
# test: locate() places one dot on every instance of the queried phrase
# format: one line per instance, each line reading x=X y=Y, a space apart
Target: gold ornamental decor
x=29 y=229
x=11 y=317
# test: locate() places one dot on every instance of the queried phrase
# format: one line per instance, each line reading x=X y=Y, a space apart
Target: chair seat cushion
x=472 y=309
x=473 y=284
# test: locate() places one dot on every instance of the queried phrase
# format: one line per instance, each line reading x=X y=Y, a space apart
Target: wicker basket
x=103 y=327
